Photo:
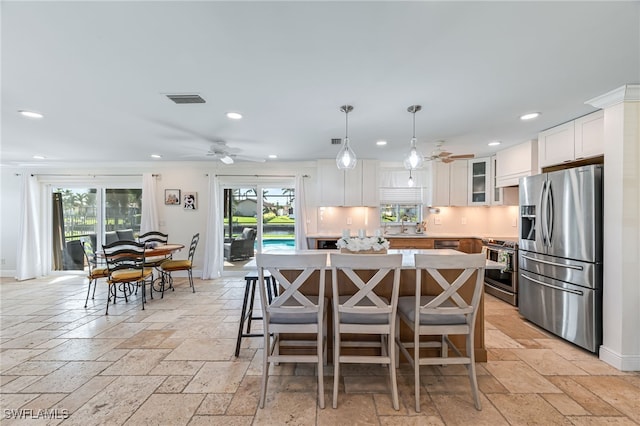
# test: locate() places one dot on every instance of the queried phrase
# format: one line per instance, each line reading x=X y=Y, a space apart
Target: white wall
x=180 y=224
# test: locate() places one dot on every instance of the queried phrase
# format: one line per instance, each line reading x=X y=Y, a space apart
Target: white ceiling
x=99 y=72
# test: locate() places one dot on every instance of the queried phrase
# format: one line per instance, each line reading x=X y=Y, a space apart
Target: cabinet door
x=440 y=183
x=353 y=186
x=556 y=145
x=589 y=135
x=370 y=184
x=459 y=183
x=479 y=182
x=330 y=184
x=515 y=162
x=496 y=192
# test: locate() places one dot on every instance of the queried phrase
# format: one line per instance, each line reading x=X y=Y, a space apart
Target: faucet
x=403 y=228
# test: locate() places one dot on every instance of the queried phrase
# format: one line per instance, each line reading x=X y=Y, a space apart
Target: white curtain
x=214 y=241
x=300 y=211
x=149 y=217
x=29 y=260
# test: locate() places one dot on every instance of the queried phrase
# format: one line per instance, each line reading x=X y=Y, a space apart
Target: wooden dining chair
x=359 y=307
x=444 y=314
x=126 y=267
x=169 y=266
x=94 y=272
x=293 y=311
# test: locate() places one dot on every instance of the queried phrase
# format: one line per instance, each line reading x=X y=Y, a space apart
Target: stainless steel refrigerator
x=560 y=258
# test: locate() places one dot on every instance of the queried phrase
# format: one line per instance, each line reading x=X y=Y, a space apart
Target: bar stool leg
x=242 y=317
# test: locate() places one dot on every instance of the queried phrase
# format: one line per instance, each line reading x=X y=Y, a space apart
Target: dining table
x=407 y=288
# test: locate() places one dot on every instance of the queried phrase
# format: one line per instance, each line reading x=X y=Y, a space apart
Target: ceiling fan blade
x=447 y=160
x=461 y=156
x=245 y=158
x=444 y=154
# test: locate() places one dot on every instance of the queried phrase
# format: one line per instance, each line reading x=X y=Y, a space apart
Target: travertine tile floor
x=173 y=364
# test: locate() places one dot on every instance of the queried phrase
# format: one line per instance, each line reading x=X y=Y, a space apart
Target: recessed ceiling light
x=381 y=143
x=39 y=157
x=234 y=115
x=156 y=156
x=273 y=156
x=494 y=143
x=30 y=114
x=530 y=116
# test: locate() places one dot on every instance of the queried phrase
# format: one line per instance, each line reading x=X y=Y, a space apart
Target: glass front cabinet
x=479 y=182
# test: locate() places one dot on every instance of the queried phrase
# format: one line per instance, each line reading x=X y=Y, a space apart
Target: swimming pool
x=279 y=243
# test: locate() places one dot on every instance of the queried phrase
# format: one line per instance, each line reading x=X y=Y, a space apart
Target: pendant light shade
x=411 y=182
x=346 y=158
x=414 y=159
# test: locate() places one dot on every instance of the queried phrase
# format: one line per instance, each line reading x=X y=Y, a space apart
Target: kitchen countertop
x=407 y=256
x=424 y=235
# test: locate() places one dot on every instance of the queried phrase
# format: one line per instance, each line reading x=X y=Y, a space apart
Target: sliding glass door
x=262 y=212
x=94 y=215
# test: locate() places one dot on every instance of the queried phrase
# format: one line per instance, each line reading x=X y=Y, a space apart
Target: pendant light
x=414 y=159
x=411 y=182
x=346 y=158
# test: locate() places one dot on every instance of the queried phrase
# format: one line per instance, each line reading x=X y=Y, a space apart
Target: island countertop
x=408 y=259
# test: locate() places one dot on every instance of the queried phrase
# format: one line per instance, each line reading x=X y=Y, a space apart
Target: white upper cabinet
x=479 y=182
x=448 y=183
x=589 y=134
x=507 y=196
x=348 y=188
x=515 y=162
x=575 y=140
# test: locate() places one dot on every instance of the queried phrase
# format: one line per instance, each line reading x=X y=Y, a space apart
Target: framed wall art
x=172 y=197
x=190 y=200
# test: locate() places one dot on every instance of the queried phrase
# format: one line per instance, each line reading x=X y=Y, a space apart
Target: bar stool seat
x=251 y=281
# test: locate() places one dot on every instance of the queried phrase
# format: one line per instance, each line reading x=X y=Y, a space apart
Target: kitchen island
x=407 y=288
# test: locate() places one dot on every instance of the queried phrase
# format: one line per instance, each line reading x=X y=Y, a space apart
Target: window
x=397 y=213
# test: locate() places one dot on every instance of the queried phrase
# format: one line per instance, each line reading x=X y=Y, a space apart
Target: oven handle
x=546 y=262
x=578 y=292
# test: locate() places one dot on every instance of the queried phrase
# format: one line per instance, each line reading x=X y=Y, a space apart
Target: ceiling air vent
x=186 y=99
x=336 y=141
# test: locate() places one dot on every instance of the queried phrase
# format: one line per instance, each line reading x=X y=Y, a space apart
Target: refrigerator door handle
x=549 y=213
x=578 y=292
x=543 y=208
x=546 y=262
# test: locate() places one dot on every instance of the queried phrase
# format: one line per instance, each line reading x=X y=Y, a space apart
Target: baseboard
x=621 y=362
x=7 y=273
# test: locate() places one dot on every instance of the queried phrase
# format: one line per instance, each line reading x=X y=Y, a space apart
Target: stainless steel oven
x=502 y=283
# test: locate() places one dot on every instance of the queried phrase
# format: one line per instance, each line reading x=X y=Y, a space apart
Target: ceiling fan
x=440 y=154
x=227 y=155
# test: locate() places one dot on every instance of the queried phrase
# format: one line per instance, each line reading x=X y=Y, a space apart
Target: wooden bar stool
x=251 y=281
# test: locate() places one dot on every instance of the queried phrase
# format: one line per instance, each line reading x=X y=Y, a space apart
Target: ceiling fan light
x=226 y=159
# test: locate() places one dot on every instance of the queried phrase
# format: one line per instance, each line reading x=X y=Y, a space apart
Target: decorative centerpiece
x=367 y=245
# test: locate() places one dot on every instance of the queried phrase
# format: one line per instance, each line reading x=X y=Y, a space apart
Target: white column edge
x=618 y=361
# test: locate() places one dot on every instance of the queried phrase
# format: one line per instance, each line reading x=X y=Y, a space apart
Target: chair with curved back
x=94 y=271
x=360 y=308
x=444 y=314
x=126 y=266
x=293 y=312
x=169 y=266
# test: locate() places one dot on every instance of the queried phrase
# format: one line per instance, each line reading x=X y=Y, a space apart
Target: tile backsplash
x=495 y=221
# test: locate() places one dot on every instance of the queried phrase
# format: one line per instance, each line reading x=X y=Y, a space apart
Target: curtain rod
x=80 y=175
x=261 y=176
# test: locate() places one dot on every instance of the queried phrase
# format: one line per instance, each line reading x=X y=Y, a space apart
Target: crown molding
x=626 y=93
